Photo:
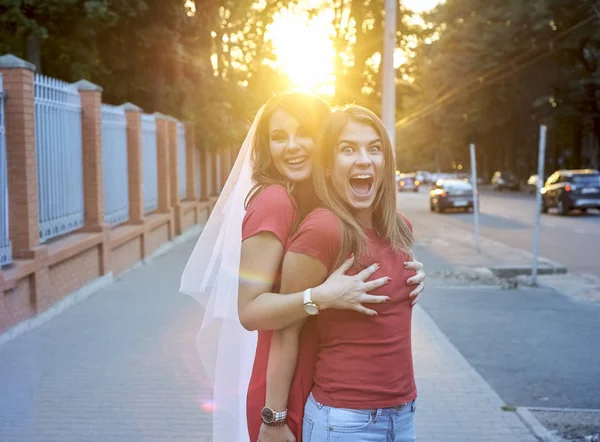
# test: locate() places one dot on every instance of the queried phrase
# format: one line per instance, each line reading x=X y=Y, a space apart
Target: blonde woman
x=364 y=387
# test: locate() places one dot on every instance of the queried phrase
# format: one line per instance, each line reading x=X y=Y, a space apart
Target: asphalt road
x=535 y=347
x=509 y=218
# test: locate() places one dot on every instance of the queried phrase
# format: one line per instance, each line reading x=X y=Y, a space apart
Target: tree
x=506 y=66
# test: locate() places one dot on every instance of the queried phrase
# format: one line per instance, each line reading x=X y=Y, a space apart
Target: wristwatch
x=273 y=418
x=309 y=306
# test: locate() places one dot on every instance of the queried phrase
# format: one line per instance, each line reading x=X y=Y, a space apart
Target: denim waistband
x=372 y=411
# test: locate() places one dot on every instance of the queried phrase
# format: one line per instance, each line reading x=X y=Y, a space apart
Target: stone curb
x=535 y=426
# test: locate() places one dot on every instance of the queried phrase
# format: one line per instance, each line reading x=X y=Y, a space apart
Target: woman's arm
x=260 y=309
x=299 y=273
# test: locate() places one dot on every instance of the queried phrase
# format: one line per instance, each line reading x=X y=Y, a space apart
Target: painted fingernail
x=377 y=265
x=388 y=299
x=387 y=281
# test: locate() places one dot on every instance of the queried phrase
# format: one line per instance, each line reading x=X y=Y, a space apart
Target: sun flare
x=304 y=50
x=421 y=5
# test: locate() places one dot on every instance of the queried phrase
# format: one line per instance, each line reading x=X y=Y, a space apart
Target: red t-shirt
x=362 y=362
x=272 y=210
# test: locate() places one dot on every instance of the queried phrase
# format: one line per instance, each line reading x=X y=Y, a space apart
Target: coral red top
x=272 y=210
x=362 y=362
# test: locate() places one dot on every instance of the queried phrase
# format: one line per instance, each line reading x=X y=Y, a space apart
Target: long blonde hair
x=388 y=223
x=309 y=110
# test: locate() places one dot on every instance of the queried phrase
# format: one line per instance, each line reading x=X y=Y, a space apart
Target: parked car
x=532 y=184
x=451 y=193
x=567 y=190
x=505 y=180
x=408 y=182
x=423 y=176
x=435 y=177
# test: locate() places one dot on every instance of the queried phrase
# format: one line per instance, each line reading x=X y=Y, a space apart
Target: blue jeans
x=328 y=424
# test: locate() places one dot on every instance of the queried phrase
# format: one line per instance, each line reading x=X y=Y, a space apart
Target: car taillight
x=567 y=188
x=402 y=183
x=416 y=182
x=443 y=193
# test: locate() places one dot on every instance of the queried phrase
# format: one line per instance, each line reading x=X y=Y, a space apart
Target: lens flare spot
x=208 y=406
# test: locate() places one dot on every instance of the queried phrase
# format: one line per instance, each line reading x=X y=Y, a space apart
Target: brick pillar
x=225 y=166
x=190 y=162
x=135 y=173
x=162 y=160
x=93 y=174
x=174 y=175
x=91 y=133
x=214 y=186
x=24 y=222
x=233 y=156
x=19 y=119
x=173 y=164
x=204 y=161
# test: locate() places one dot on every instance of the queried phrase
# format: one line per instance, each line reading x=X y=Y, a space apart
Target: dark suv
x=505 y=180
x=572 y=189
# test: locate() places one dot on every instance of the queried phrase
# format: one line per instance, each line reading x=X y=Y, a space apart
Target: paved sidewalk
x=121 y=366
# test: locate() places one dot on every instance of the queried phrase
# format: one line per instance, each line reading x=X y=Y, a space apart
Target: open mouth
x=361 y=184
x=296 y=161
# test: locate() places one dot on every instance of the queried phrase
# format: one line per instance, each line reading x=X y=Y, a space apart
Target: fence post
x=91 y=133
x=214 y=186
x=133 y=115
x=204 y=164
x=162 y=161
x=174 y=175
x=21 y=157
x=190 y=162
x=93 y=173
x=225 y=166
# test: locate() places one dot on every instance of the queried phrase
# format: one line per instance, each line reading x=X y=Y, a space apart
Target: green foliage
x=497 y=69
x=149 y=52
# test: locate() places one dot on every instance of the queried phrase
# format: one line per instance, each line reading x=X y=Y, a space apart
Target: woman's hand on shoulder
x=350 y=292
x=418 y=280
x=276 y=434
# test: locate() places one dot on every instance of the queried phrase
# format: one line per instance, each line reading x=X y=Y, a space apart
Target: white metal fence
x=149 y=163
x=59 y=156
x=181 y=160
x=114 y=165
x=5 y=248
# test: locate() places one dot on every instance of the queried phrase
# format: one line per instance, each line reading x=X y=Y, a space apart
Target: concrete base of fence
x=57 y=308
x=71 y=267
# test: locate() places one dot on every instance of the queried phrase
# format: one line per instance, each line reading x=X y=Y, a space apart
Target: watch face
x=311 y=309
x=268 y=415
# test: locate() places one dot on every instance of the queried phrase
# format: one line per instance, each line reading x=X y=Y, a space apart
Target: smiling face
x=291 y=146
x=358 y=161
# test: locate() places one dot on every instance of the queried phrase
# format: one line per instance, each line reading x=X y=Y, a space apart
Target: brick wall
x=42 y=274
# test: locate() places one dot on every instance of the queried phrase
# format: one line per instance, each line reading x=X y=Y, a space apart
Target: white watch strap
x=307 y=297
x=280 y=415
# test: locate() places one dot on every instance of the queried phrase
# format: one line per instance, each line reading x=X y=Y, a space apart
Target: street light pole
x=388 y=108
x=475 y=196
x=538 y=204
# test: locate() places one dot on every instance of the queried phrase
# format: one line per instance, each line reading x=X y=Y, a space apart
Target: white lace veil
x=211 y=276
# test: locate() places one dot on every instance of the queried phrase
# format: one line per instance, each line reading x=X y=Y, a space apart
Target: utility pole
x=388 y=108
